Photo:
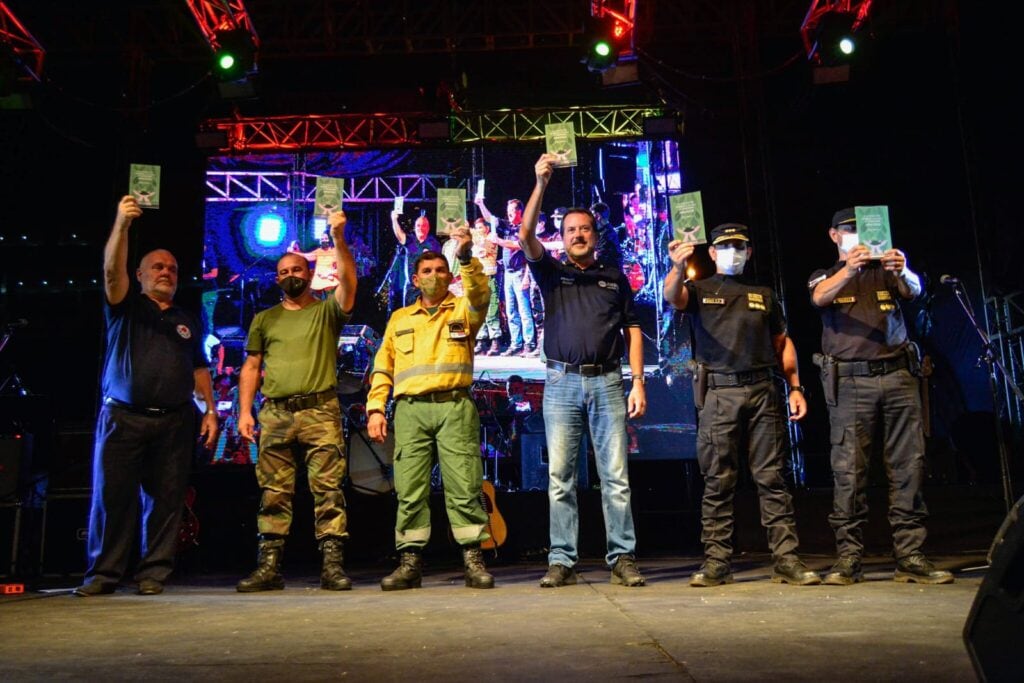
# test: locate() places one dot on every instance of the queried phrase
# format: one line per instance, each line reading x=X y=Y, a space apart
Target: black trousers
x=138 y=459
x=864 y=405
x=733 y=419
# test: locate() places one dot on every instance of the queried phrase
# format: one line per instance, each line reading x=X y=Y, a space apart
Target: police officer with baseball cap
x=871 y=378
x=740 y=341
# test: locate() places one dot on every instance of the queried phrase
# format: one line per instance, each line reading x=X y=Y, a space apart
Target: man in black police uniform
x=144 y=433
x=868 y=373
x=740 y=339
x=590 y=323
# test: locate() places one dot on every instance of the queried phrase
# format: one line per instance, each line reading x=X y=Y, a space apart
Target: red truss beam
x=625 y=18
x=26 y=48
x=820 y=8
x=339 y=131
x=221 y=15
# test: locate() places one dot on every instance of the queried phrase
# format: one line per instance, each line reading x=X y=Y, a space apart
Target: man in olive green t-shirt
x=295 y=344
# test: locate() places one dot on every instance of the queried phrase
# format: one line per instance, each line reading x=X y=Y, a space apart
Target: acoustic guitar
x=495 y=522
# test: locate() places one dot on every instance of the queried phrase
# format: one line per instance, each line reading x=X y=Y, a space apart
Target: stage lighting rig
x=234 y=56
x=830 y=33
x=21 y=55
x=609 y=34
x=228 y=30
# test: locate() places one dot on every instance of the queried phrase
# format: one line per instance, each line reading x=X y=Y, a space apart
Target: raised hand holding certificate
x=561 y=141
x=399 y=204
x=480 y=188
x=687 y=213
x=873 y=229
x=451 y=209
x=329 y=193
x=144 y=185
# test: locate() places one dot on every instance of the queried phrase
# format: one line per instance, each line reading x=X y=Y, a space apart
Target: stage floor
x=752 y=630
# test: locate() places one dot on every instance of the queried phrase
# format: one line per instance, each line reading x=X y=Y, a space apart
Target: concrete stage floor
x=753 y=630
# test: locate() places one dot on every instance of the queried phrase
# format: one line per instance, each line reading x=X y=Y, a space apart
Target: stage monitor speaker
x=535 y=463
x=994 y=631
x=65 y=531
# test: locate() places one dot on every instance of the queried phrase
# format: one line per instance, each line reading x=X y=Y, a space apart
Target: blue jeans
x=571 y=404
x=518 y=309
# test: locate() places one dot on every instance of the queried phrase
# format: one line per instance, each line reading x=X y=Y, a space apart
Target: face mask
x=730 y=261
x=848 y=240
x=293 y=286
x=431 y=286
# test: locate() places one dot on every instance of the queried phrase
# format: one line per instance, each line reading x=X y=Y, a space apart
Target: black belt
x=438 y=396
x=141 y=410
x=738 y=379
x=870 y=368
x=303 y=401
x=585 y=369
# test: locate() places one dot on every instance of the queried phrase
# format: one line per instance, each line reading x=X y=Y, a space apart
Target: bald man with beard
x=145 y=430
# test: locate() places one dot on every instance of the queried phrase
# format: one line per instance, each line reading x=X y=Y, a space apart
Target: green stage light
x=602 y=48
x=226 y=61
x=234 y=57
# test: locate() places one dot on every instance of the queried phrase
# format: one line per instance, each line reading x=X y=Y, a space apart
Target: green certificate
x=451 y=209
x=144 y=185
x=873 y=229
x=329 y=194
x=687 y=213
x=561 y=141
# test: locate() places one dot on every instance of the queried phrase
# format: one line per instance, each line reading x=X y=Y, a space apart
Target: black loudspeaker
x=994 y=632
x=535 y=463
x=65 y=531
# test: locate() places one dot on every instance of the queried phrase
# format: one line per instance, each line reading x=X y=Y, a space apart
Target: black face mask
x=293 y=286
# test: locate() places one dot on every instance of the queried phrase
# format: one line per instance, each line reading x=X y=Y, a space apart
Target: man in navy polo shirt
x=590 y=323
x=144 y=433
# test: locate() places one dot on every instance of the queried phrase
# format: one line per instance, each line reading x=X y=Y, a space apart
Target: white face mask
x=847 y=241
x=730 y=261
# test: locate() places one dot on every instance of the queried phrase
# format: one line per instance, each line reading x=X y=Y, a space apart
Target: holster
x=700 y=385
x=829 y=377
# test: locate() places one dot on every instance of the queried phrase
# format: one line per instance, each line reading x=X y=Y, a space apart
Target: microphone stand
x=384 y=288
x=992 y=362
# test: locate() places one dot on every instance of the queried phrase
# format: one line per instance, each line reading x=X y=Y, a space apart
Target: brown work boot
x=559 y=575
x=476 y=572
x=625 y=572
x=408 y=575
x=332 y=575
x=267 y=576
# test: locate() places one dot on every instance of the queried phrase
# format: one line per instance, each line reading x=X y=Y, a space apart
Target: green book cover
x=687 y=213
x=144 y=185
x=873 y=229
x=561 y=141
x=451 y=209
x=329 y=194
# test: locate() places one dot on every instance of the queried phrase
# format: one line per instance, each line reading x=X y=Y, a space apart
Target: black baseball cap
x=844 y=217
x=729 y=231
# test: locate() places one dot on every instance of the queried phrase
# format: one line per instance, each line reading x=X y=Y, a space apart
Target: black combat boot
x=408 y=575
x=476 y=572
x=267 y=576
x=332 y=575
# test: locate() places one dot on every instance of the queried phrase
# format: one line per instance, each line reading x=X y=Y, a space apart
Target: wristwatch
x=798 y=387
x=639 y=379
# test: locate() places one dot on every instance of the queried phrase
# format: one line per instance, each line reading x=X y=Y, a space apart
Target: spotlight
x=834 y=40
x=234 y=56
x=605 y=37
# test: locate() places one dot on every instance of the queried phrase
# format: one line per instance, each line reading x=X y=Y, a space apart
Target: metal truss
x=364 y=131
x=25 y=48
x=281 y=186
x=221 y=15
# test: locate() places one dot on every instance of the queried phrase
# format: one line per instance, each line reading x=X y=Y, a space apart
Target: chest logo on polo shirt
x=845 y=300
x=713 y=301
x=568 y=280
x=614 y=286
x=755 y=302
x=184 y=332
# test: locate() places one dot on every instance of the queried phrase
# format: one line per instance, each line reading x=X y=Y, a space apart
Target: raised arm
x=825 y=291
x=115 y=253
x=528 y=230
x=675 y=291
x=395 y=228
x=908 y=284
x=345 y=292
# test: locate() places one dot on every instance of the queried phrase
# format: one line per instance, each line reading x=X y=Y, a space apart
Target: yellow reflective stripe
x=413 y=535
x=473 y=532
x=438 y=369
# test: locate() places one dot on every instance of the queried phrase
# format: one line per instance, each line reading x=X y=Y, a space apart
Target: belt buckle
x=744 y=378
x=876 y=367
x=590 y=369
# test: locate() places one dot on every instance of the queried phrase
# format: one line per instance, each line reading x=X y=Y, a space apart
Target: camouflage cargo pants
x=315 y=433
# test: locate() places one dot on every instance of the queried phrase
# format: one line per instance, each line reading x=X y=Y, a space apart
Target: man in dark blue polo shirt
x=144 y=434
x=590 y=323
